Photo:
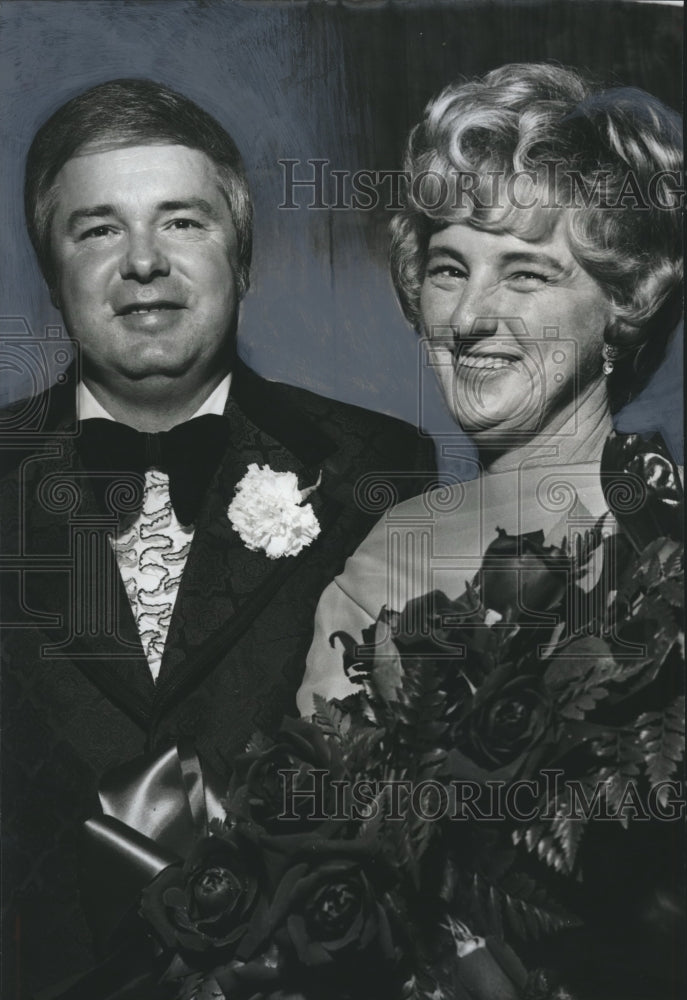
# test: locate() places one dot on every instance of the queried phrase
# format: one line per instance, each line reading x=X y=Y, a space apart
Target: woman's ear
x=632 y=320
x=624 y=335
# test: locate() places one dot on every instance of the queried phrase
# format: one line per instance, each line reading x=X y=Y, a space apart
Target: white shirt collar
x=88 y=407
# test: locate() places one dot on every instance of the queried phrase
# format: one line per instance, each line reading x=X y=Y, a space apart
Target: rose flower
x=507 y=722
x=331 y=922
x=260 y=788
x=521 y=577
x=206 y=905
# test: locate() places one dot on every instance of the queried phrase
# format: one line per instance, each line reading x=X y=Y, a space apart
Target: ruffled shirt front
x=436 y=541
x=152 y=551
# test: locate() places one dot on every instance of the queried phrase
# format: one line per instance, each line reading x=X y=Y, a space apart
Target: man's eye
x=185 y=224
x=95 y=232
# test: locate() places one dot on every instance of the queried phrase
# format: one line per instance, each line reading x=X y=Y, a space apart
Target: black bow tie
x=189 y=454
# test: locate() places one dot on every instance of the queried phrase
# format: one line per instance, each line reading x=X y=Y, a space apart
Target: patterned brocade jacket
x=78 y=695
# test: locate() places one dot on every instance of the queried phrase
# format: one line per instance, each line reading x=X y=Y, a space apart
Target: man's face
x=145 y=254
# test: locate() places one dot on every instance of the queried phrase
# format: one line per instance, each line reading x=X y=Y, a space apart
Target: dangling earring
x=610 y=354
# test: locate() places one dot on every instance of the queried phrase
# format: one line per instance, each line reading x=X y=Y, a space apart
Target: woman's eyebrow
x=534 y=257
x=444 y=251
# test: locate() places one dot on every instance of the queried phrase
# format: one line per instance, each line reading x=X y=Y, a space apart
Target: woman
x=539 y=254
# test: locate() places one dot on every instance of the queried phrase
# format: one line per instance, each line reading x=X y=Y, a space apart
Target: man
x=135 y=613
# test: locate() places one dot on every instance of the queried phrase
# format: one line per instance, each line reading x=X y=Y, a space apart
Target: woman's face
x=516 y=329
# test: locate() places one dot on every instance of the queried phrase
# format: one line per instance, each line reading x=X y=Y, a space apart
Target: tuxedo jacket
x=78 y=696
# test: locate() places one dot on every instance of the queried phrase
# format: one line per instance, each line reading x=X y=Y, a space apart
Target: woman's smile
x=484 y=362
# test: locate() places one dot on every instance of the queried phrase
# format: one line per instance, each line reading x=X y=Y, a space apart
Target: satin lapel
x=224 y=584
x=74 y=578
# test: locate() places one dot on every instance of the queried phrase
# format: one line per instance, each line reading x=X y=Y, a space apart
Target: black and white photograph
x=341 y=500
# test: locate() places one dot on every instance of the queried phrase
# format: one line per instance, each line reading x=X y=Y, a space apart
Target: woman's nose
x=475 y=313
x=143 y=258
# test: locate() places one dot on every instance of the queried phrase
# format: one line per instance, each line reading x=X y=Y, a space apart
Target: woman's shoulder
x=435 y=541
x=383 y=569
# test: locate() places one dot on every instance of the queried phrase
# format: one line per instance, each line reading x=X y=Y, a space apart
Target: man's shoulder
x=30 y=423
x=302 y=418
x=345 y=420
x=42 y=412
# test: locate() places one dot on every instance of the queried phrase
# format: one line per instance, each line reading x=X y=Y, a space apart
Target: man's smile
x=141 y=308
x=150 y=316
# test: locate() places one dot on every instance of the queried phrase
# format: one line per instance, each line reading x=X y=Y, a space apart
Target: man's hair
x=125 y=113
x=592 y=156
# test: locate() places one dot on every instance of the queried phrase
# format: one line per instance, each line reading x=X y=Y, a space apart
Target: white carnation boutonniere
x=269 y=514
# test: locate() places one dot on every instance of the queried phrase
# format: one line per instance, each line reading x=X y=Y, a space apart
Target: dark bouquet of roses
x=283 y=897
x=390 y=847
x=548 y=699
x=558 y=663
x=317 y=882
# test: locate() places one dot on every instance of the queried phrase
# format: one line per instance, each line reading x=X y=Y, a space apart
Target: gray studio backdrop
x=291 y=81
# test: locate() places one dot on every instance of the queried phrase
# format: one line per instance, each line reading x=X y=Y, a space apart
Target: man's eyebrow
x=95 y=212
x=178 y=205
x=189 y=204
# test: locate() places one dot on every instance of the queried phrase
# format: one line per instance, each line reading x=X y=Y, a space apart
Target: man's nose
x=476 y=312
x=143 y=258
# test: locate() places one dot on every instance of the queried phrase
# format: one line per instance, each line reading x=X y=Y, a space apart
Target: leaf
x=581 y=701
x=620 y=790
x=579 y=679
x=673 y=564
x=420 y=709
x=387 y=671
x=673 y=592
x=568 y=832
x=660 y=612
x=522 y=904
x=199 y=986
x=363 y=756
x=258 y=743
x=530 y=835
x=416 y=728
x=556 y=841
x=217 y=826
x=356 y=658
x=589 y=656
x=327 y=716
x=494 y=909
x=549 y=852
x=661 y=739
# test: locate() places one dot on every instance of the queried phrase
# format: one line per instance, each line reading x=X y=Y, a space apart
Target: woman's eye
x=447 y=271
x=529 y=278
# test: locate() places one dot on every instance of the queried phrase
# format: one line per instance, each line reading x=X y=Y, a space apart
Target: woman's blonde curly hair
x=606 y=162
